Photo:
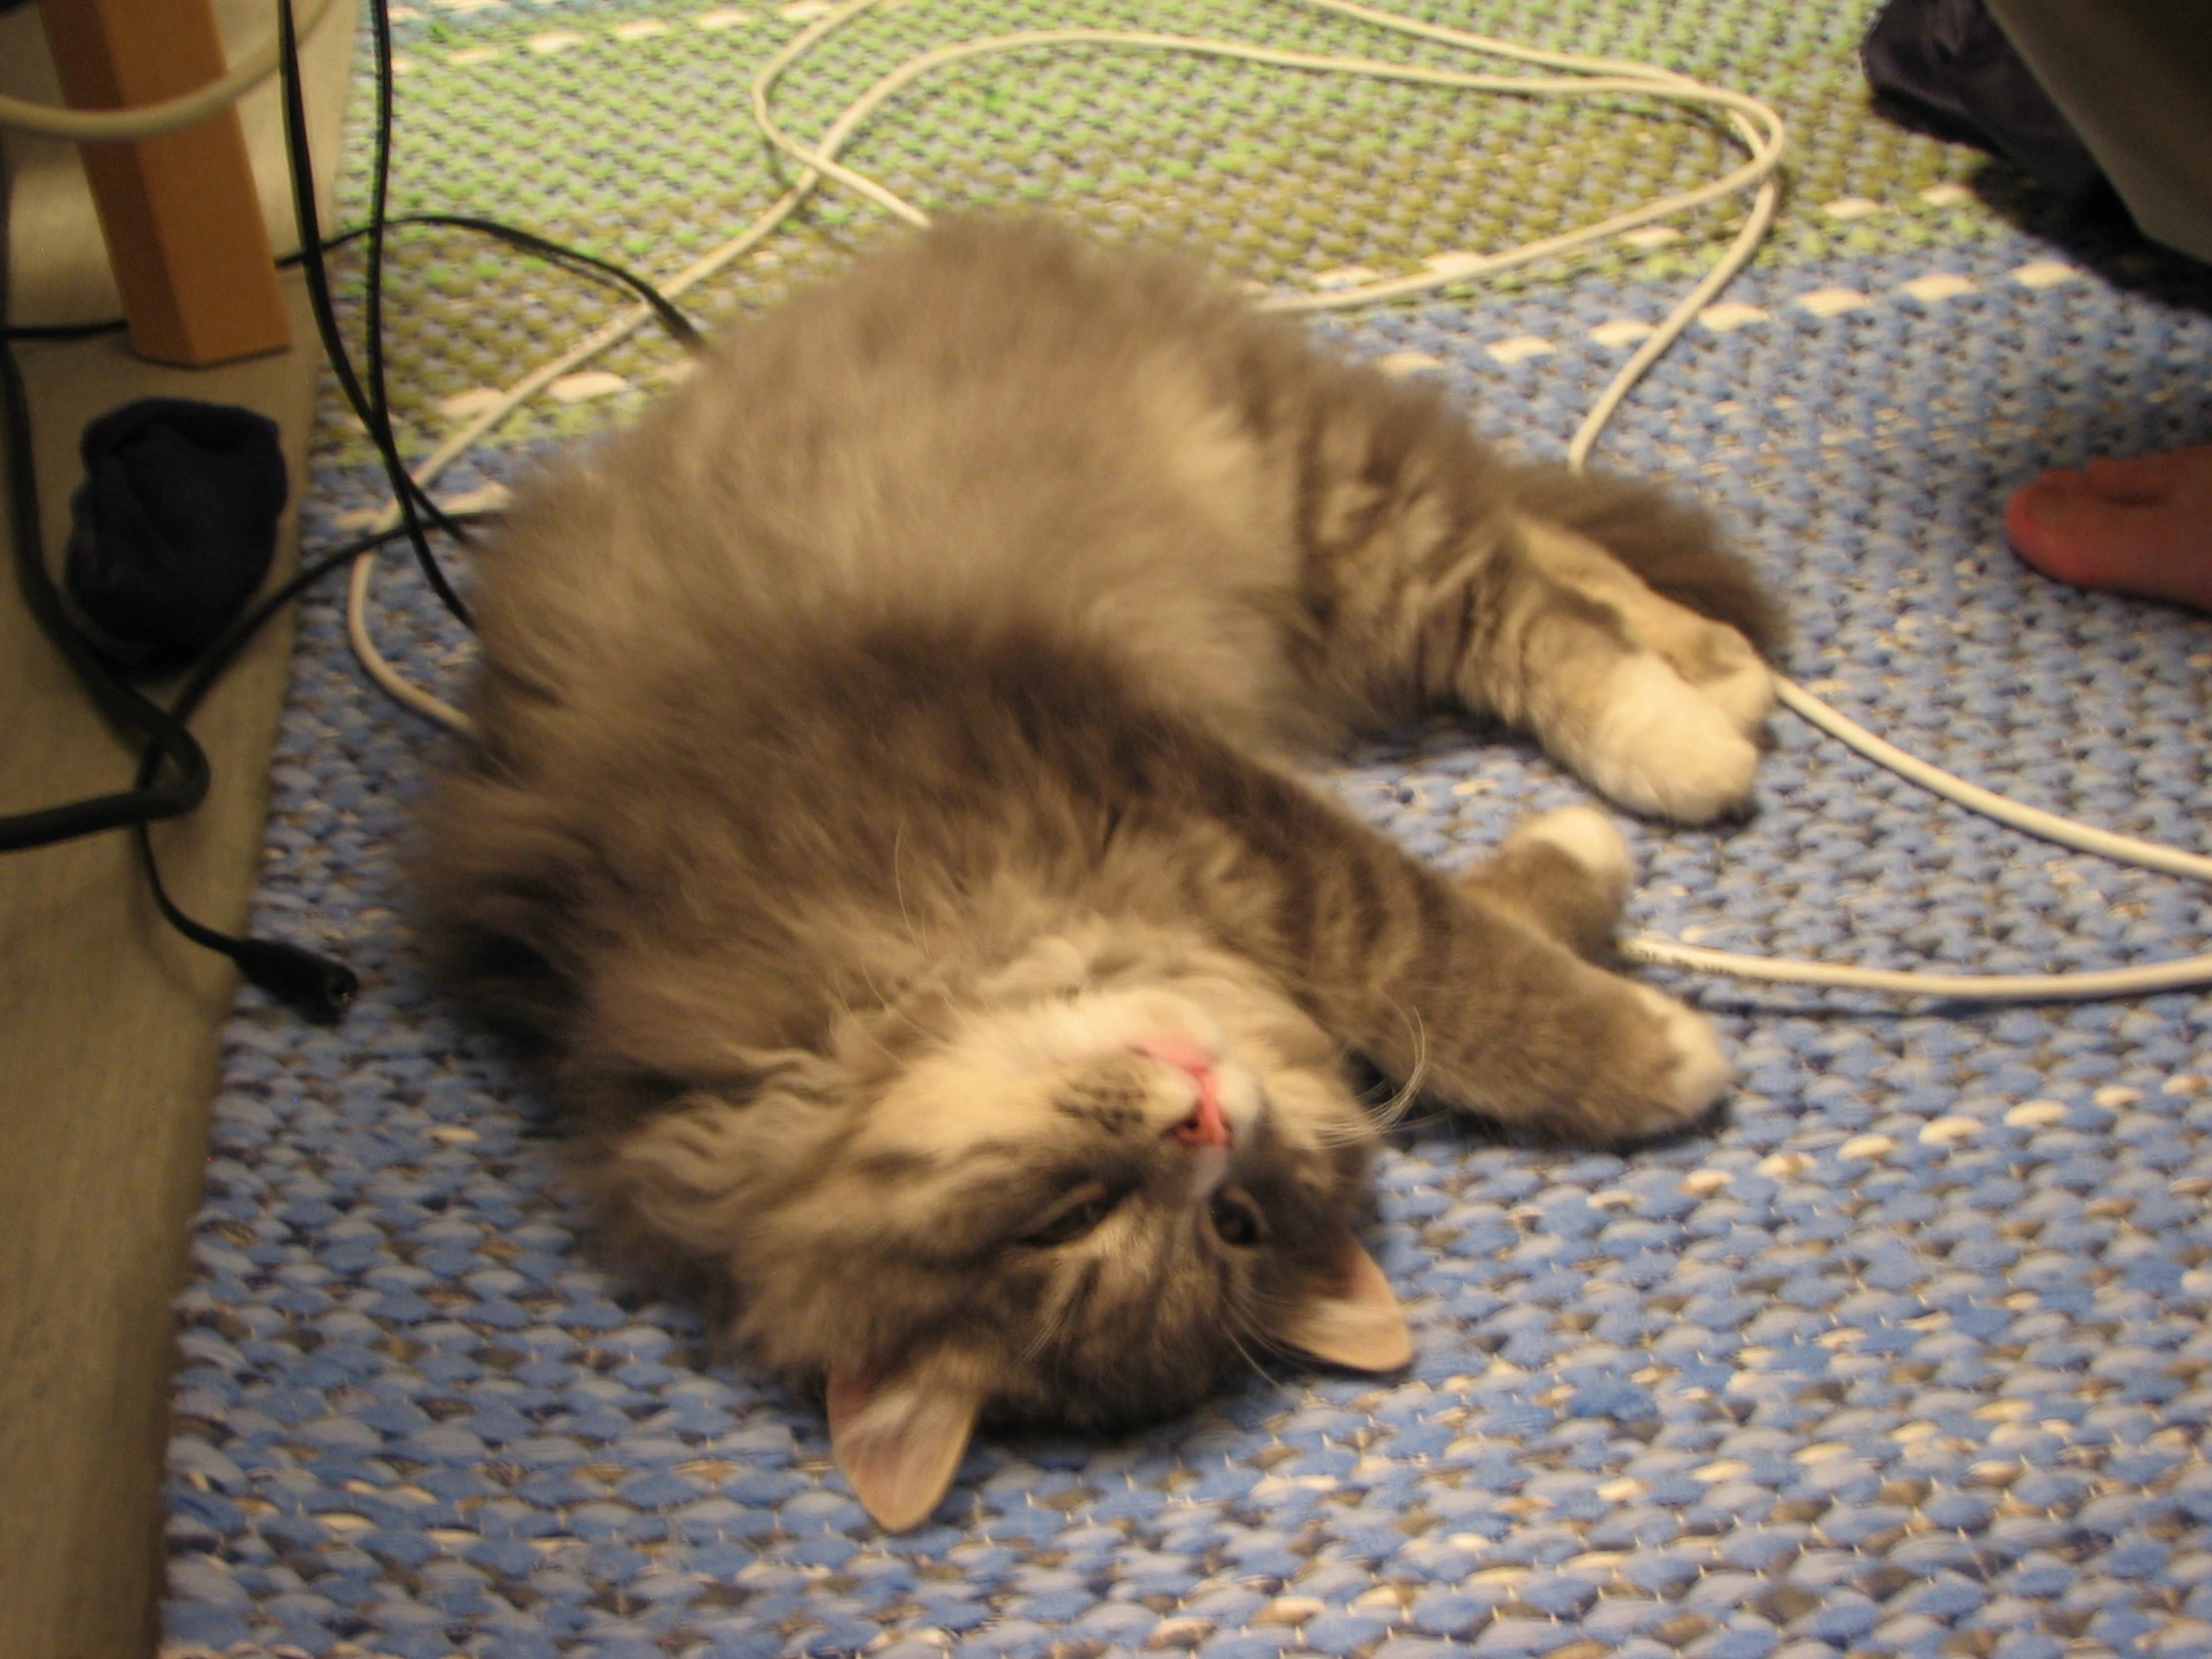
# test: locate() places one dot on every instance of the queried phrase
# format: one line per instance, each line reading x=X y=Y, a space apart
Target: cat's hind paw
x=1661 y=708
x=1664 y=746
x=1729 y=674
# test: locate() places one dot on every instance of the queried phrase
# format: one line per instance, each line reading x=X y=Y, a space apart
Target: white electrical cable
x=1755 y=124
x=2125 y=849
x=2179 y=975
x=1759 y=127
x=2158 y=977
x=151 y=120
x=2082 y=986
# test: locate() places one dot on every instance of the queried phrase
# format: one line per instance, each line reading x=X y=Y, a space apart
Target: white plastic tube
x=151 y=120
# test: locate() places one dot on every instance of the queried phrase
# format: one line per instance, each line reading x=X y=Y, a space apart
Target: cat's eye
x=1076 y=1217
x=1236 y=1220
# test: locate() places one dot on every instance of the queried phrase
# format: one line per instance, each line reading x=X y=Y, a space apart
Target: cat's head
x=1090 y=1206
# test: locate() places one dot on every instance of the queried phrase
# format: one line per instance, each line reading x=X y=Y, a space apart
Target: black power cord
x=315 y=984
x=62 y=330
x=127 y=708
x=679 y=326
x=318 y=986
x=368 y=404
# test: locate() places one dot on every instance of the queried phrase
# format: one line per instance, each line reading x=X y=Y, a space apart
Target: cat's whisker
x=859 y=1025
x=898 y=889
x=1033 y=1348
x=1397 y=1112
x=1388 y=1114
x=1239 y=1315
x=1352 y=1135
x=1055 y=1320
x=894 y=1009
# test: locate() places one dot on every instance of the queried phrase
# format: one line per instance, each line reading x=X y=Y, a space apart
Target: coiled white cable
x=1757 y=124
x=2179 y=975
x=1763 y=135
x=152 y=119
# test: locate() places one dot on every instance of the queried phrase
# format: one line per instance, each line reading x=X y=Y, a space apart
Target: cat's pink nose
x=1206 y=1126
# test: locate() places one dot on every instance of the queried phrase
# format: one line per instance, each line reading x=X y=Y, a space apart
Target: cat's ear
x=899 y=1436
x=1350 y=1316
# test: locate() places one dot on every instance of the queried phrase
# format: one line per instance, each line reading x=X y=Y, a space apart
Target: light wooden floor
x=107 y=1066
x=108 y=1022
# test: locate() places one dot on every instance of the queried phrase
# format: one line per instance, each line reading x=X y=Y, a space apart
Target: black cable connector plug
x=320 y=987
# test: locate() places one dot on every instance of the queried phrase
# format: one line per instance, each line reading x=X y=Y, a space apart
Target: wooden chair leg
x=180 y=213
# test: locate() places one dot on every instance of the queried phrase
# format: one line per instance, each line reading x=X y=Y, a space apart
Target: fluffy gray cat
x=882 y=818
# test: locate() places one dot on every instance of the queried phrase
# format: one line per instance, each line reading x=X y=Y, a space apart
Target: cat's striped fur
x=880 y=820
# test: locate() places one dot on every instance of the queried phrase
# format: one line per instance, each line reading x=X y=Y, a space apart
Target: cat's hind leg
x=1600 y=614
x=1715 y=658
x=1657 y=706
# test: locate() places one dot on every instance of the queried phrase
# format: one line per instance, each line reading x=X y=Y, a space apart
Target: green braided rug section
x=622 y=128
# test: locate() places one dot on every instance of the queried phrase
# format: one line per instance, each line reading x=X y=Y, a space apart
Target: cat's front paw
x=1700 y=1073
x=1566 y=873
x=1587 y=837
x=1661 y=1071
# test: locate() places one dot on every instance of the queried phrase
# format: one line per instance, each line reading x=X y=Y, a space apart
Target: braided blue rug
x=1909 y=1357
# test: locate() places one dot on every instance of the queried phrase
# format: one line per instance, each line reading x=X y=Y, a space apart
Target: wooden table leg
x=180 y=213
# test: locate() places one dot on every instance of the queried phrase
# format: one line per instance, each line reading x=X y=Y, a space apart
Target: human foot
x=2140 y=526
